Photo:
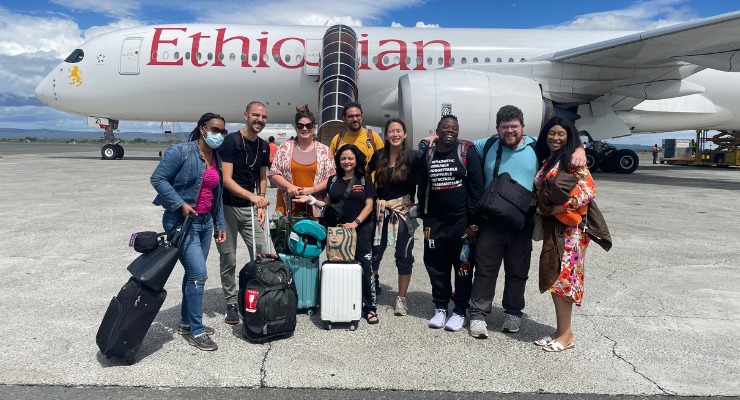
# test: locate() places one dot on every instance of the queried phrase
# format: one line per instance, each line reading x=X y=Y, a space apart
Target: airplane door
x=130 y=56
x=312 y=57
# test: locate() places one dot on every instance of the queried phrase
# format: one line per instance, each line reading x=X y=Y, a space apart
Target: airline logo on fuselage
x=75 y=75
x=396 y=51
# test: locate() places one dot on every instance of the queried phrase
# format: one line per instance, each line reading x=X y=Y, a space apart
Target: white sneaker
x=512 y=323
x=456 y=322
x=478 y=329
x=401 y=306
x=438 y=321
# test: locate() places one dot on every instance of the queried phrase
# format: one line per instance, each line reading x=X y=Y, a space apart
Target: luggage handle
x=254 y=238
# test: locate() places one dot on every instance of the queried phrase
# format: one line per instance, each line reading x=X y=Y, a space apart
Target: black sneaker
x=203 y=342
x=232 y=314
x=185 y=330
x=378 y=289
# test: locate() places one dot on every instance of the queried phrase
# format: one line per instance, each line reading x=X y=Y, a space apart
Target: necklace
x=245 y=149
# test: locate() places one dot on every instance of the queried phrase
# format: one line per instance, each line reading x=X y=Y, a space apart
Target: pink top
x=210 y=181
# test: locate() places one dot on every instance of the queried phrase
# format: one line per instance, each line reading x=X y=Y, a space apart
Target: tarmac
x=661 y=313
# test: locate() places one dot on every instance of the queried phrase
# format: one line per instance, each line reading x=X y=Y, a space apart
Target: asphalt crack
x=631 y=364
x=263 y=368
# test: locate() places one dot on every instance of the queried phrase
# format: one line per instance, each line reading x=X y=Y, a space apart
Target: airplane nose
x=40 y=91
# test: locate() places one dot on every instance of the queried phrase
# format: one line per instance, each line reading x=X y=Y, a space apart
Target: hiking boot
x=232 y=314
x=185 y=330
x=512 y=323
x=202 y=342
x=478 y=329
x=438 y=321
x=378 y=289
x=401 y=307
x=455 y=323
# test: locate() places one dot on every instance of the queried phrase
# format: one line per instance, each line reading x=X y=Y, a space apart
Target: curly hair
x=509 y=113
x=359 y=158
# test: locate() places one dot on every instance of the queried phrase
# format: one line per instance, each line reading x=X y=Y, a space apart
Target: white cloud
x=640 y=16
x=109 y=7
x=395 y=24
x=421 y=24
x=124 y=23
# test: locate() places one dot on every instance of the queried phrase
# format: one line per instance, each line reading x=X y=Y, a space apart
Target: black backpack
x=268 y=299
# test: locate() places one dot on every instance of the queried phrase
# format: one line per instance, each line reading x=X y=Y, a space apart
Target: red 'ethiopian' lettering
x=156 y=41
x=276 y=50
x=220 y=46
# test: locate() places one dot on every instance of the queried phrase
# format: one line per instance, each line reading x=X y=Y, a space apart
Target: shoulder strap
x=489 y=143
x=347 y=191
x=370 y=135
x=533 y=145
x=339 y=139
x=498 y=158
x=429 y=155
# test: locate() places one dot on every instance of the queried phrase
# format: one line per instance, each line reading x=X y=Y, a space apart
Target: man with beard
x=497 y=243
x=365 y=139
x=245 y=158
x=451 y=183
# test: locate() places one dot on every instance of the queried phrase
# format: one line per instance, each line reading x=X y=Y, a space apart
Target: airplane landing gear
x=112 y=150
x=609 y=159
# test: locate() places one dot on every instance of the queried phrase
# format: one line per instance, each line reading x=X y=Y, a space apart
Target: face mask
x=214 y=140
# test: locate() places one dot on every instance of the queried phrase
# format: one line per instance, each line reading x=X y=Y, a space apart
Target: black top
x=356 y=200
x=452 y=194
x=396 y=190
x=233 y=150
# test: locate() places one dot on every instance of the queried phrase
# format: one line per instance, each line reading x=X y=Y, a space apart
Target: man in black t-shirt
x=451 y=182
x=245 y=158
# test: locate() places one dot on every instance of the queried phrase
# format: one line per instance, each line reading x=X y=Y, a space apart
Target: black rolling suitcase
x=127 y=320
x=268 y=298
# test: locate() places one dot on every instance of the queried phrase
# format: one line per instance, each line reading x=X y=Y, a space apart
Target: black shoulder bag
x=334 y=212
x=505 y=201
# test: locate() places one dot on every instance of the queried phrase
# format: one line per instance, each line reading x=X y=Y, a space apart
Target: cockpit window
x=75 y=57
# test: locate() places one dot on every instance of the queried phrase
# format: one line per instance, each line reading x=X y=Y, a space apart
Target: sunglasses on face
x=214 y=129
x=307 y=126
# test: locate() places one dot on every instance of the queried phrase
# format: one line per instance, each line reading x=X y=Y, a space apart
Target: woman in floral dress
x=566 y=220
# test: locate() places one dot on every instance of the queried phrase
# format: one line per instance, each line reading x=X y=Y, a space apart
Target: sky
x=35 y=35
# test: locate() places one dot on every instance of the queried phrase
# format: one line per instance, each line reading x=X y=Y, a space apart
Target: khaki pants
x=238 y=219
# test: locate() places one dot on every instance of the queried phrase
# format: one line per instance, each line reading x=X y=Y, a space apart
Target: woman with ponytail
x=301 y=167
x=188 y=181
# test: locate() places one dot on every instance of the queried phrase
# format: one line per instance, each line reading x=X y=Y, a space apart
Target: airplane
x=611 y=83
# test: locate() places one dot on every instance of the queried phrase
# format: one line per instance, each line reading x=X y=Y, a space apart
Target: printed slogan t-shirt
x=447 y=193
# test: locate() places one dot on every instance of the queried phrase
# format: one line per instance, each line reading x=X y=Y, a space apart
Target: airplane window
x=210 y=56
x=385 y=60
x=221 y=56
x=177 y=55
x=522 y=60
x=439 y=61
x=264 y=57
x=429 y=60
x=363 y=60
x=452 y=60
x=254 y=57
x=187 y=55
x=475 y=60
x=244 y=57
x=418 y=60
x=408 y=60
x=375 y=59
x=396 y=60
x=75 y=57
x=165 y=55
x=499 y=59
x=197 y=55
x=298 y=59
x=511 y=59
x=463 y=60
x=276 y=57
x=488 y=59
x=232 y=57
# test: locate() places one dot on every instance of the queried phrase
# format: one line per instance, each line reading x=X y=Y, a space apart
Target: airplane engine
x=474 y=97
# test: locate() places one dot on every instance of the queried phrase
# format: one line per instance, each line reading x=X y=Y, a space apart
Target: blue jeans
x=193 y=255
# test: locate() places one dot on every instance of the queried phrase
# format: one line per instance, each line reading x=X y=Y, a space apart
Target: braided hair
x=444 y=117
x=195 y=134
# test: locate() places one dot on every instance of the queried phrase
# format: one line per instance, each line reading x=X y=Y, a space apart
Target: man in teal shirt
x=497 y=243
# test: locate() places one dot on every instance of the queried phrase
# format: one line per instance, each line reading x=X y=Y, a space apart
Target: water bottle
x=272 y=224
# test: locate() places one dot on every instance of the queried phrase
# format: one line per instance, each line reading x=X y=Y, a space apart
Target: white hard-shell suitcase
x=341 y=293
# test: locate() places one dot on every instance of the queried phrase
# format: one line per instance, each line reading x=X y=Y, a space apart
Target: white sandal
x=556 y=347
x=543 y=341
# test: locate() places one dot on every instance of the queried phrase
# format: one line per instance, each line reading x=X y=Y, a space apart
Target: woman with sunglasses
x=301 y=166
x=188 y=181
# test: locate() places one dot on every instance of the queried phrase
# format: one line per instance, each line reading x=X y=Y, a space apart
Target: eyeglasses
x=215 y=129
x=354 y=116
x=308 y=126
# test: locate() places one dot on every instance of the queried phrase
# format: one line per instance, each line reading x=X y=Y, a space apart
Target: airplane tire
x=626 y=162
x=593 y=159
x=607 y=164
x=109 y=152
x=119 y=149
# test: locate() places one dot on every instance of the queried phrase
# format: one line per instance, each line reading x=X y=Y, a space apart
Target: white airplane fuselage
x=177 y=74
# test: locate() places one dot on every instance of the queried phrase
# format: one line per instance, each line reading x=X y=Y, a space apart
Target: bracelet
x=313 y=200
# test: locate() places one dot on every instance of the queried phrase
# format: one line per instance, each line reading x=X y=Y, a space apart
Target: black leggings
x=363 y=255
x=404 y=247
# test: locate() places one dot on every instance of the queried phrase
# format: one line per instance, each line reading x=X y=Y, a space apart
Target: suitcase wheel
x=327 y=325
x=310 y=312
x=353 y=326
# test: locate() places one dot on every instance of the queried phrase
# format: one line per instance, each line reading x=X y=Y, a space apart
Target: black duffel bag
x=505 y=201
x=153 y=268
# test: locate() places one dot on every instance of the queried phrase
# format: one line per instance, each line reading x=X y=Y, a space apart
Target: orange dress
x=303 y=176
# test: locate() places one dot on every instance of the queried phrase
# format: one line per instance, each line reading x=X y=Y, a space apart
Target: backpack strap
x=429 y=156
x=489 y=143
x=370 y=138
x=339 y=139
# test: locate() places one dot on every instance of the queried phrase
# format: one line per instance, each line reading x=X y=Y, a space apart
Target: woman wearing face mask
x=395 y=169
x=301 y=166
x=188 y=181
x=357 y=213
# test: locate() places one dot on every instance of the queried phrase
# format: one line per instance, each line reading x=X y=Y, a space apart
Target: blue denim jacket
x=179 y=176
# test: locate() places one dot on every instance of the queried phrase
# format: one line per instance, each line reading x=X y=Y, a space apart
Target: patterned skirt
x=570 y=281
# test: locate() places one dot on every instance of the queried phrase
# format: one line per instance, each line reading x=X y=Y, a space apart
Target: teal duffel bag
x=307 y=239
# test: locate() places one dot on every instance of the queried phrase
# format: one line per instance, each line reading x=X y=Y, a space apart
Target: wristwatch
x=474 y=228
x=357 y=221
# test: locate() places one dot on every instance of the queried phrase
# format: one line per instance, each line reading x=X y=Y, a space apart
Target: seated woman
x=301 y=166
x=395 y=183
x=563 y=194
x=356 y=214
x=187 y=181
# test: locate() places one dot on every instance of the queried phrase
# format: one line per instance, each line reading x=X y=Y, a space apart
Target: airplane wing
x=711 y=42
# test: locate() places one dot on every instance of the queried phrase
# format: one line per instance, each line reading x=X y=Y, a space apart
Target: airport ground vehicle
x=725 y=154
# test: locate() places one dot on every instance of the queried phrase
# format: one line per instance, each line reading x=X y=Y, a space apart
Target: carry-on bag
x=127 y=320
x=153 y=268
x=306 y=276
x=268 y=298
x=341 y=244
x=341 y=293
